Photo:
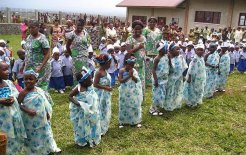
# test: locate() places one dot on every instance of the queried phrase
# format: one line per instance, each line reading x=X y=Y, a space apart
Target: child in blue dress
x=160 y=78
x=232 y=58
x=195 y=79
x=242 y=60
x=10 y=116
x=102 y=82
x=56 y=79
x=84 y=111
x=224 y=68
x=36 y=115
x=211 y=62
x=175 y=84
x=130 y=94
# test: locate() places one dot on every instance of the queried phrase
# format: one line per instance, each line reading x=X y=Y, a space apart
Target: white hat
x=64 y=48
x=123 y=44
x=218 y=48
x=55 y=50
x=2 y=41
x=23 y=42
x=244 y=40
x=231 y=46
x=225 y=44
x=244 y=45
x=200 y=46
x=110 y=46
x=90 y=49
x=116 y=45
x=190 y=43
x=186 y=39
x=103 y=38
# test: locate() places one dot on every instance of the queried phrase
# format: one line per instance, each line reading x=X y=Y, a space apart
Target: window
x=142 y=18
x=208 y=17
x=242 y=19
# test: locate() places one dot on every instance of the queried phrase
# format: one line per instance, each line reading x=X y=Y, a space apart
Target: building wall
x=139 y=12
x=222 y=6
x=239 y=7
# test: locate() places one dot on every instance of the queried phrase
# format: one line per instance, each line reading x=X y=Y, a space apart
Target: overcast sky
x=103 y=7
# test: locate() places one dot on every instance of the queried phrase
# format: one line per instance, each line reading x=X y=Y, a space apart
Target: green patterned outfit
x=80 y=44
x=34 y=58
x=140 y=55
x=152 y=38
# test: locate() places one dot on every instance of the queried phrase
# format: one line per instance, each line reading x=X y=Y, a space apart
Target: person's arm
x=7 y=101
x=132 y=76
x=51 y=30
x=133 y=50
x=207 y=64
x=121 y=79
x=156 y=61
x=69 y=42
x=97 y=85
x=74 y=92
x=23 y=108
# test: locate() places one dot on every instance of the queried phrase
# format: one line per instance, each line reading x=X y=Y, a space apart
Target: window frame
x=202 y=17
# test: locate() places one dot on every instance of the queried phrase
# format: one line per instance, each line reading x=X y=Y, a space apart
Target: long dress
x=11 y=122
x=159 y=93
x=94 y=34
x=193 y=91
x=211 y=75
x=140 y=55
x=152 y=38
x=130 y=100
x=80 y=44
x=104 y=103
x=86 y=118
x=224 y=70
x=175 y=85
x=38 y=128
x=242 y=62
x=34 y=58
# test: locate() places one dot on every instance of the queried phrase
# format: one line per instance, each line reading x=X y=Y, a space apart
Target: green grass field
x=216 y=127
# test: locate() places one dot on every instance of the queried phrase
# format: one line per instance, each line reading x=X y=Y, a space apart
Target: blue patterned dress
x=38 y=128
x=211 y=75
x=86 y=118
x=224 y=70
x=104 y=103
x=11 y=122
x=159 y=93
x=193 y=91
x=130 y=100
x=174 y=91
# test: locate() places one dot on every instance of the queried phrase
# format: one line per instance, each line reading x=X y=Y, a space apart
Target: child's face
x=111 y=51
x=103 y=41
x=90 y=54
x=116 y=50
x=200 y=52
x=176 y=51
x=56 y=56
x=88 y=82
x=30 y=81
x=129 y=66
x=231 y=49
x=4 y=71
x=66 y=53
x=123 y=48
x=21 y=55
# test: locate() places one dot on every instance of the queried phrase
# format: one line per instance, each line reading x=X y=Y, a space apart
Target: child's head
x=4 y=70
x=2 y=51
x=66 y=53
x=200 y=49
x=224 y=47
x=90 y=52
x=212 y=47
x=30 y=79
x=130 y=61
x=2 y=43
x=103 y=40
x=231 y=48
x=174 y=50
x=21 y=54
x=104 y=60
x=110 y=49
x=116 y=48
x=123 y=46
x=162 y=47
x=84 y=78
x=56 y=53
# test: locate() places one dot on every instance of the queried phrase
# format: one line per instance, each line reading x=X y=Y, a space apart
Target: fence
x=15 y=15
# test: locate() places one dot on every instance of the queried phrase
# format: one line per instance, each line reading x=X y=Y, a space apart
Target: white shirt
x=237 y=55
x=121 y=56
x=111 y=32
x=232 y=57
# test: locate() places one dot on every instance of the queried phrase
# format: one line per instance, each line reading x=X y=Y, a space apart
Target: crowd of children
x=182 y=71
